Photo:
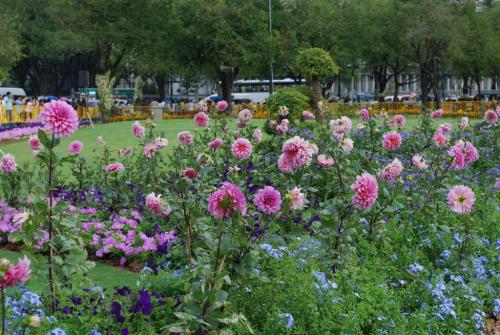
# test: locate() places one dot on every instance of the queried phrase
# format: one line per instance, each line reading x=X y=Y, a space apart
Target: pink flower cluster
x=257 y=135
x=241 y=148
x=222 y=106
x=125 y=151
x=8 y=164
x=347 y=144
x=12 y=219
x=190 y=173
x=13 y=134
x=245 y=116
x=215 y=143
x=226 y=200
x=150 y=150
x=138 y=130
x=268 y=200
x=59 y=118
x=157 y=205
x=185 y=137
x=364 y=113
x=440 y=139
x=365 y=191
x=438 y=113
x=463 y=153
x=392 y=171
x=15 y=274
x=34 y=143
x=201 y=119
x=461 y=199
x=391 y=141
x=296 y=153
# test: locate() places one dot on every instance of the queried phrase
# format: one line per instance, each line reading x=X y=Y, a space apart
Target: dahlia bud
x=34 y=321
x=4 y=264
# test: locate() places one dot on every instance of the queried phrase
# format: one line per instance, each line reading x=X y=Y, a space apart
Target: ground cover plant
x=351 y=225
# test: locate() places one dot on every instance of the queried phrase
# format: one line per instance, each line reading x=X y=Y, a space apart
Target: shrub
x=294 y=100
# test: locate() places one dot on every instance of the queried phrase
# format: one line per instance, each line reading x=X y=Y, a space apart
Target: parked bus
x=258 y=90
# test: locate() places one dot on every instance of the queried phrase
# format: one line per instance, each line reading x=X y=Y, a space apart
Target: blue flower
x=496 y=307
x=271 y=251
x=414 y=269
x=57 y=331
x=288 y=318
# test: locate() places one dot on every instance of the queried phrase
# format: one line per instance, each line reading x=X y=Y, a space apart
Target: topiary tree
x=313 y=64
x=291 y=98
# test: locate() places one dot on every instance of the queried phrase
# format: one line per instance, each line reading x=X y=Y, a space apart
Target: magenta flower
x=241 y=148
x=437 y=114
x=215 y=143
x=365 y=191
x=115 y=167
x=392 y=171
x=185 y=137
x=325 y=161
x=226 y=200
x=190 y=173
x=138 y=130
x=75 y=147
x=245 y=115
x=464 y=122
x=282 y=128
x=257 y=135
x=296 y=153
x=150 y=150
x=268 y=200
x=490 y=116
x=391 y=141
x=125 y=151
x=59 y=118
x=340 y=126
x=461 y=199
x=307 y=115
x=364 y=114
x=8 y=163
x=297 y=198
x=440 y=139
x=398 y=121
x=35 y=143
x=157 y=205
x=19 y=273
x=222 y=105
x=161 y=142
x=201 y=119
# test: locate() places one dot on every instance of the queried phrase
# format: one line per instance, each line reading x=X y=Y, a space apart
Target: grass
x=118 y=135
x=103 y=275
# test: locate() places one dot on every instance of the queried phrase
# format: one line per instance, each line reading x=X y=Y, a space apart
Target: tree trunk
x=226 y=78
x=396 y=88
x=465 y=86
x=316 y=88
x=425 y=83
x=160 y=81
x=494 y=81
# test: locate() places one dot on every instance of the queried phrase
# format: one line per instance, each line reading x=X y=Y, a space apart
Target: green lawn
x=102 y=274
x=118 y=135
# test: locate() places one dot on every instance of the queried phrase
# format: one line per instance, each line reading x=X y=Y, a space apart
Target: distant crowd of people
x=23 y=107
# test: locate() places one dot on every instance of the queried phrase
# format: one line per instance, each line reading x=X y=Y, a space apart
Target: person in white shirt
x=8 y=106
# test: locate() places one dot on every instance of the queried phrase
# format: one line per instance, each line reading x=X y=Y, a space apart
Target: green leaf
x=42 y=136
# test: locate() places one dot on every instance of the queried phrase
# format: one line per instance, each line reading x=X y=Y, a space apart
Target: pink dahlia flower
x=8 y=163
x=35 y=143
x=237 y=134
x=398 y=121
x=126 y=151
x=268 y=200
x=75 y=147
x=461 y=199
x=59 y=118
x=161 y=142
x=342 y=125
x=241 y=148
x=245 y=115
x=185 y=137
x=365 y=191
x=297 y=198
x=226 y=200
x=114 y=167
x=241 y=124
x=325 y=161
x=419 y=162
x=437 y=114
x=201 y=119
x=392 y=171
x=307 y=115
x=215 y=143
x=296 y=153
x=282 y=128
x=150 y=150
x=347 y=145
x=440 y=140
x=464 y=122
x=157 y=205
x=463 y=153
x=364 y=114
x=190 y=173
x=471 y=153
x=19 y=273
x=202 y=106
x=490 y=116
x=138 y=130
x=257 y=135
x=222 y=106
x=391 y=141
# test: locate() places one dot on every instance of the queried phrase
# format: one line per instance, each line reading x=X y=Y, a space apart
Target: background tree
x=314 y=64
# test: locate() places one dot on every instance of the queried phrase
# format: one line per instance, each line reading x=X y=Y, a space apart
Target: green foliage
x=315 y=63
x=295 y=101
